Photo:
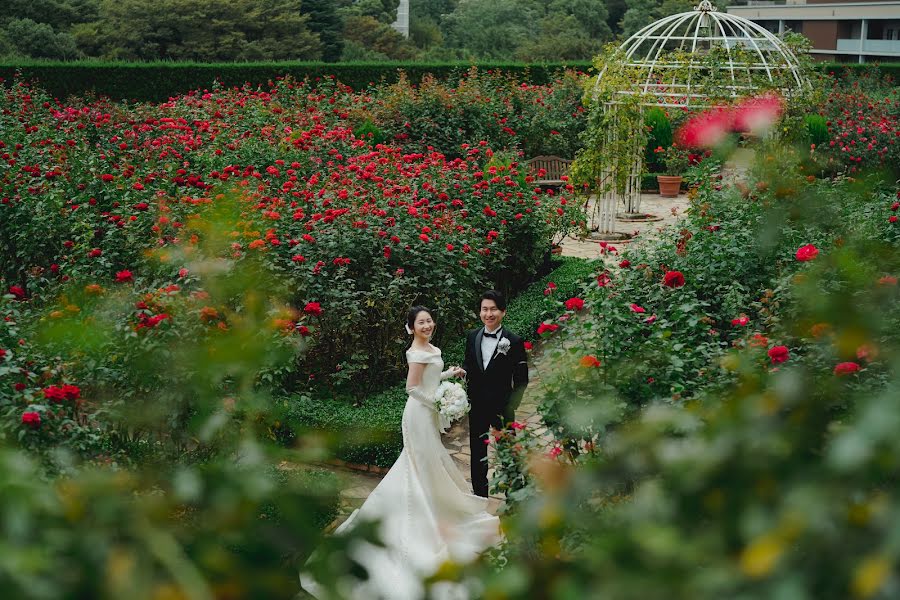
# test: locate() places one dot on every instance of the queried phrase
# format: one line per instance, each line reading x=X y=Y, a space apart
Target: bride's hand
x=458 y=371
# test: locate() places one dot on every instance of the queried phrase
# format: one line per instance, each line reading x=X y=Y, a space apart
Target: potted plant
x=675 y=161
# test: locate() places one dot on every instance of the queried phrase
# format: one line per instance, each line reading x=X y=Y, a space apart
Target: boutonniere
x=503 y=346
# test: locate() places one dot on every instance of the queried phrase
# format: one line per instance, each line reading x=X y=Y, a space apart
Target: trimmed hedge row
x=365 y=434
x=530 y=308
x=370 y=433
x=160 y=80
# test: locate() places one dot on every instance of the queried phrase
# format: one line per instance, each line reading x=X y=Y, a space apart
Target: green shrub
x=553 y=117
x=369 y=131
x=366 y=433
x=160 y=80
x=816 y=129
x=658 y=136
x=530 y=308
x=649 y=183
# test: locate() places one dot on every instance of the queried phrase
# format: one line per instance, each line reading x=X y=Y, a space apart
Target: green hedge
x=161 y=80
x=365 y=434
x=158 y=81
x=370 y=433
x=843 y=69
x=530 y=308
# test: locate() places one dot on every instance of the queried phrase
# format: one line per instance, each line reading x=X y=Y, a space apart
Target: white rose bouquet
x=451 y=403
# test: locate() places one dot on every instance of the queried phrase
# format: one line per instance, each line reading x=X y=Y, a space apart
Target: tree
x=38 y=40
x=559 y=38
x=203 y=30
x=325 y=20
x=641 y=13
x=615 y=11
x=491 y=29
x=638 y=13
x=590 y=16
x=277 y=30
x=384 y=11
x=7 y=49
x=430 y=9
x=367 y=34
x=59 y=14
x=425 y=33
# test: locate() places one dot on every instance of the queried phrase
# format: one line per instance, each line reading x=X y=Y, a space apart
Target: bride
x=426 y=510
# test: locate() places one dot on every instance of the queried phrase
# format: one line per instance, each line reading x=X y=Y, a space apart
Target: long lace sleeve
x=446 y=374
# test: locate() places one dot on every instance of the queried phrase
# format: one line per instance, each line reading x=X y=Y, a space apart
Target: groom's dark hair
x=498 y=298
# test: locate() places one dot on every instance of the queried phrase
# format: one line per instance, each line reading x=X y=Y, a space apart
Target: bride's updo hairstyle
x=411 y=317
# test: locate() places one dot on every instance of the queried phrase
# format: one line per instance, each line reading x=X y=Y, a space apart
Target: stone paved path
x=359 y=484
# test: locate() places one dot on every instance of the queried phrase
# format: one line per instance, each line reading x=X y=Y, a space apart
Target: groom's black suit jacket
x=498 y=389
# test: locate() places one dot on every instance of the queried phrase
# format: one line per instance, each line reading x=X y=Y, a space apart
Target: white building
x=402 y=22
x=840 y=30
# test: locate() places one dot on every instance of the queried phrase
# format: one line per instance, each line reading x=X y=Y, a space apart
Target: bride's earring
x=408 y=330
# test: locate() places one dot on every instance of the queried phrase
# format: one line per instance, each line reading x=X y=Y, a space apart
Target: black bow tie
x=496 y=334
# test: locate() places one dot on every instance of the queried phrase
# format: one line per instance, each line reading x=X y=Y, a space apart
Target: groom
x=497 y=373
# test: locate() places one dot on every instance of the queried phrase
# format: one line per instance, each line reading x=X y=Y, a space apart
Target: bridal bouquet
x=451 y=402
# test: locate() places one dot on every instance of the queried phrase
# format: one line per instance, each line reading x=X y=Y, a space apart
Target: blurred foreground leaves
x=163 y=481
x=774 y=472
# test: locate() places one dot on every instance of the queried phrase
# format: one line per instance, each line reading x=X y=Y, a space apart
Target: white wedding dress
x=427 y=511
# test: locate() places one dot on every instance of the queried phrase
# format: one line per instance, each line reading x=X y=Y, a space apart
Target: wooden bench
x=548 y=171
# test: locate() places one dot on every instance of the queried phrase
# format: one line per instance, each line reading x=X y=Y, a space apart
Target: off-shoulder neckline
x=426 y=351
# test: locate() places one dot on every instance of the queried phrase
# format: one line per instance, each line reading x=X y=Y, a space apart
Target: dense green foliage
x=160 y=475
x=541 y=299
x=659 y=135
x=484 y=105
x=367 y=433
x=817 y=128
x=206 y=30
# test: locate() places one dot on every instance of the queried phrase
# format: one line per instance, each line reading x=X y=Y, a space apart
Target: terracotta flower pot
x=669 y=185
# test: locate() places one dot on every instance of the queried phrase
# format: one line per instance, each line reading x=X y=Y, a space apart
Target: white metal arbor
x=668 y=63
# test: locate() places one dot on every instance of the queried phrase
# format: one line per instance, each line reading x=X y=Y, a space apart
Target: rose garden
x=203 y=302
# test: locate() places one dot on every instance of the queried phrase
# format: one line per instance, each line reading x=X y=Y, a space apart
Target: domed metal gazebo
x=688 y=61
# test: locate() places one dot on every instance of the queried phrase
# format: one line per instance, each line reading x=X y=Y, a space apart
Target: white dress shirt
x=489 y=345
